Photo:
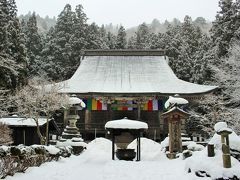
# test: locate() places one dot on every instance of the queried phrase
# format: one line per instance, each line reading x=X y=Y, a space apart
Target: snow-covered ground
x=96 y=164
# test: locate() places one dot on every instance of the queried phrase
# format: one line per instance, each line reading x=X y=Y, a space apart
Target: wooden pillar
x=139 y=111
x=139 y=147
x=113 y=145
x=24 y=137
x=65 y=121
x=160 y=121
x=87 y=119
x=109 y=109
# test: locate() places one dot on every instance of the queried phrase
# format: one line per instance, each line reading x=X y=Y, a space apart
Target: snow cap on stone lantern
x=175 y=100
x=74 y=101
x=222 y=129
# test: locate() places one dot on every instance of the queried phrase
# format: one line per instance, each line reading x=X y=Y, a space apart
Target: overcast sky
x=126 y=12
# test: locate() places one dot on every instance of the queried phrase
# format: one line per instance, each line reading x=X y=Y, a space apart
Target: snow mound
x=98 y=150
x=213 y=166
x=150 y=150
x=193 y=146
x=165 y=143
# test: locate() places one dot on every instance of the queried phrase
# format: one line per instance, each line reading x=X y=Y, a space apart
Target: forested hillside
x=199 y=51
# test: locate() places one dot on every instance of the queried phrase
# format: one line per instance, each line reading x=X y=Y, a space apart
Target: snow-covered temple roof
x=22 y=121
x=127 y=72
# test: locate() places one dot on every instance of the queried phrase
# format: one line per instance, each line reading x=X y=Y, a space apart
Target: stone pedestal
x=71 y=130
x=224 y=132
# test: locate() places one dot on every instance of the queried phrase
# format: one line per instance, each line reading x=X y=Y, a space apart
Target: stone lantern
x=222 y=130
x=174 y=116
x=71 y=130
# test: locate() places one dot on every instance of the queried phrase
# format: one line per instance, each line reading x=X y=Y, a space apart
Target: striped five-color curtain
x=151 y=105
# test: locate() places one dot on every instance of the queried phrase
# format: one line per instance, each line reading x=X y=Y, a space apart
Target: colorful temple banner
x=124 y=108
x=93 y=104
x=151 y=105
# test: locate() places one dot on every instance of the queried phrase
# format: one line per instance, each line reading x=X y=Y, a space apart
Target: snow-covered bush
x=4 y=150
x=65 y=151
x=20 y=158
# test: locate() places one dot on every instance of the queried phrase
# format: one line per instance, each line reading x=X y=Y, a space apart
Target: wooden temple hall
x=126 y=83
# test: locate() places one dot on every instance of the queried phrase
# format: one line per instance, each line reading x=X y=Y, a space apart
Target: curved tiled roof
x=129 y=74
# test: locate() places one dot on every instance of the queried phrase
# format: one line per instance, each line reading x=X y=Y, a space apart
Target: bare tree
x=3 y=102
x=37 y=98
x=5 y=131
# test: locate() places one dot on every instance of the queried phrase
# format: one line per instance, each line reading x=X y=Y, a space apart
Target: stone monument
x=174 y=116
x=222 y=130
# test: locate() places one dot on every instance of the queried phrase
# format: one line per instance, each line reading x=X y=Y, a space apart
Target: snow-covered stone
x=193 y=146
x=52 y=150
x=213 y=166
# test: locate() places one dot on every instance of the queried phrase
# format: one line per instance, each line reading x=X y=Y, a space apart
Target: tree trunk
x=47 y=131
x=42 y=140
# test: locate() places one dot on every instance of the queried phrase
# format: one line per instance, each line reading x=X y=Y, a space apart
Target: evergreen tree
x=186 y=50
x=33 y=45
x=121 y=42
x=12 y=49
x=111 y=40
x=132 y=42
x=103 y=35
x=94 y=38
x=155 y=25
x=48 y=70
x=57 y=52
x=224 y=27
x=143 y=37
x=78 y=39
